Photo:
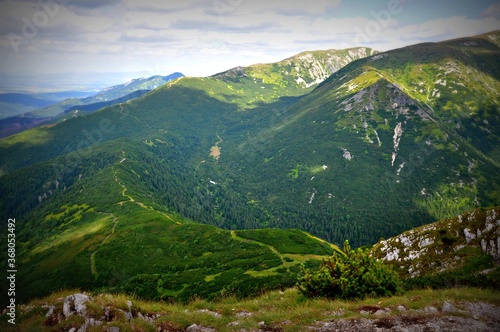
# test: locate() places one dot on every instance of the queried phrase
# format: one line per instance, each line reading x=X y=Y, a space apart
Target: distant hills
x=232 y=181
x=50 y=110
x=109 y=94
x=16 y=103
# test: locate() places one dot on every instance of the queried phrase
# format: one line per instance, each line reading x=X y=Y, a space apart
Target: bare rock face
x=435 y=247
x=199 y=328
x=75 y=304
x=448 y=307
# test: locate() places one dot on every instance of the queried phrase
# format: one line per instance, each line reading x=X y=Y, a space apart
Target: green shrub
x=470 y=274
x=351 y=275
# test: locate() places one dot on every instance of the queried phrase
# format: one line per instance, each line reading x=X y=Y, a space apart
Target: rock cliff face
x=443 y=245
x=311 y=68
x=304 y=70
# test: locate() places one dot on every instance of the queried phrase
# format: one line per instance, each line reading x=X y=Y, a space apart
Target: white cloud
x=437 y=30
x=291 y=8
x=201 y=37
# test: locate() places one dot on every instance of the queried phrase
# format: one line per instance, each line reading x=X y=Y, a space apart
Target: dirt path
x=273 y=249
x=125 y=113
x=115 y=219
x=92 y=256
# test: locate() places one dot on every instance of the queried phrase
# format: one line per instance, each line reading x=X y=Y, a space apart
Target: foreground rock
x=81 y=313
x=408 y=323
x=474 y=317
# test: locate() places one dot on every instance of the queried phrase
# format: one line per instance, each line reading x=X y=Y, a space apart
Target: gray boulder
x=75 y=304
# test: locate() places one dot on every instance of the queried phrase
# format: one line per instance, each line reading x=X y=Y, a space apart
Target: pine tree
x=352 y=274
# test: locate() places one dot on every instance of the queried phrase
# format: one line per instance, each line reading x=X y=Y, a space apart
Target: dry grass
x=279 y=311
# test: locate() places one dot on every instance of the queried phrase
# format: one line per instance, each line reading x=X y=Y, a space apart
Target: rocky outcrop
x=462 y=316
x=440 y=246
x=75 y=304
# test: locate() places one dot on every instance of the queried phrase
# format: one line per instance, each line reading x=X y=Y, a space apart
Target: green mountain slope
x=360 y=156
x=99 y=228
x=283 y=157
x=451 y=255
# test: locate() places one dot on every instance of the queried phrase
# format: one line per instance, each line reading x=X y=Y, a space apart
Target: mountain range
x=49 y=111
x=226 y=184
x=17 y=103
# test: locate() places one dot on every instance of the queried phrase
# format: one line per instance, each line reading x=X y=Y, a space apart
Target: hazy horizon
x=82 y=44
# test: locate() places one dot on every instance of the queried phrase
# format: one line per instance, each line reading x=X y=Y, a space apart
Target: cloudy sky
x=79 y=43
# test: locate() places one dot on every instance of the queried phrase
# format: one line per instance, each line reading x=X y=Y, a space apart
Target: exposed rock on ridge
x=438 y=247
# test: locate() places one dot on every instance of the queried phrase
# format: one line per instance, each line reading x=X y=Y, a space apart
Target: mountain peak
x=304 y=70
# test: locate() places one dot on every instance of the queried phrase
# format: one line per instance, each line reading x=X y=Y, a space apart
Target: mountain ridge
x=238 y=97
x=55 y=112
x=110 y=93
x=313 y=66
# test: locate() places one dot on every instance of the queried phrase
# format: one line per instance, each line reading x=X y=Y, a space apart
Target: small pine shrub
x=352 y=274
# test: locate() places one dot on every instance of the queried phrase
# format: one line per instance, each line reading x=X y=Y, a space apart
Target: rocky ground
x=473 y=317
x=81 y=313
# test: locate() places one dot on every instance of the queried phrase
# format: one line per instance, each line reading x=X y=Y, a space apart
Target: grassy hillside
x=99 y=227
x=426 y=258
